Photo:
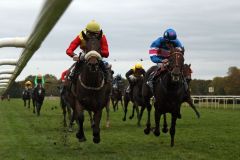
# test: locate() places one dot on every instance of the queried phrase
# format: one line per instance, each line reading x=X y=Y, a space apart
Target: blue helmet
x=170 y=35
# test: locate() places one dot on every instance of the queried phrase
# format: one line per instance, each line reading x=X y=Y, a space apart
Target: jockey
x=160 y=51
x=132 y=75
x=92 y=28
x=28 y=85
x=39 y=79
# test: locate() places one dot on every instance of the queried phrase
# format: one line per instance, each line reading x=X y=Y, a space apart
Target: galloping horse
x=136 y=99
x=117 y=93
x=38 y=98
x=91 y=91
x=66 y=105
x=187 y=73
x=168 y=92
x=26 y=96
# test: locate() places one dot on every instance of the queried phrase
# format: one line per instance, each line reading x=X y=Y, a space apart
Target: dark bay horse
x=136 y=99
x=38 y=96
x=117 y=92
x=26 y=96
x=91 y=92
x=66 y=102
x=187 y=73
x=168 y=92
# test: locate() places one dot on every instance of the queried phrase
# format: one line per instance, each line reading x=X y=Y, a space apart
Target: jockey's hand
x=75 y=57
x=165 y=61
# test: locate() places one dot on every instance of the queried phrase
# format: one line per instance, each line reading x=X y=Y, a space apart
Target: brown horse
x=91 y=92
x=117 y=92
x=168 y=92
x=187 y=73
x=26 y=96
x=136 y=98
x=38 y=96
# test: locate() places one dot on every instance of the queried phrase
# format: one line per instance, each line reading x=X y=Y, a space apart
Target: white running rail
x=51 y=11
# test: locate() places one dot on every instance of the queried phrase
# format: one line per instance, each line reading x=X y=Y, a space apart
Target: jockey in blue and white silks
x=160 y=51
x=160 y=48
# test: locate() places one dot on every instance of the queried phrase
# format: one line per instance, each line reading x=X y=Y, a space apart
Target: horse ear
x=100 y=35
x=84 y=36
x=190 y=65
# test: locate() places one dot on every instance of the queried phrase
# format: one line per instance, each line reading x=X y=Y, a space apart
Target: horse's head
x=187 y=72
x=92 y=49
x=176 y=61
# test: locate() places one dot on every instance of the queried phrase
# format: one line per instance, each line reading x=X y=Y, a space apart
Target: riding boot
x=104 y=69
x=151 y=80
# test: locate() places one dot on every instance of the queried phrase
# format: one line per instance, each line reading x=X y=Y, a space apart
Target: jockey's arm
x=128 y=74
x=73 y=45
x=104 y=47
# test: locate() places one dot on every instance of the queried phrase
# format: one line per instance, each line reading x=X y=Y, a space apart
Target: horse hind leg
x=189 y=101
x=108 y=114
x=64 y=116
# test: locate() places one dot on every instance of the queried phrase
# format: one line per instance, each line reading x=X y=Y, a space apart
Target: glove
x=75 y=57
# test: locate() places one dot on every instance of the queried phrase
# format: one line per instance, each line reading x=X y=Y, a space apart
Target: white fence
x=216 y=101
x=51 y=11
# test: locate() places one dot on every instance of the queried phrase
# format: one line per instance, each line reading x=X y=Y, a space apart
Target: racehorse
x=136 y=99
x=168 y=92
x=66 y=105
x=187 y=73
x=38 y=98
x=26 y=96
x=117 y=93
x=91 y=91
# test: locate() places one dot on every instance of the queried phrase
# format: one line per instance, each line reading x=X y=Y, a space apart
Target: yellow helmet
x=138 y=66
x=28 y=83
x=93 y=26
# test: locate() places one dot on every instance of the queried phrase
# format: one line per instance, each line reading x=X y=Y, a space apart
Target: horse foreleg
x=29 y=103
x=64 y=115
x=133 y=110
x=157 y=122
x=140 y=115
x=96 y=129
x=80 y=117
x=172 y=129
x=165 y=127
x=108 y=114
x=148 y=125
x=125 y=109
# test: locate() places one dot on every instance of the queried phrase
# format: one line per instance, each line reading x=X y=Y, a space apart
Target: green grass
x=23 y=136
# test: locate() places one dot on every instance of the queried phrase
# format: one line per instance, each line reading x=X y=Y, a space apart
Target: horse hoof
x=96 y=140
x=131 y=117
x=81 y=138
x=179 y=116
x=156 y=133
x=124 y=119
x=147 y=131
x=70 y=130
x=108 y=124
x=164 y=130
